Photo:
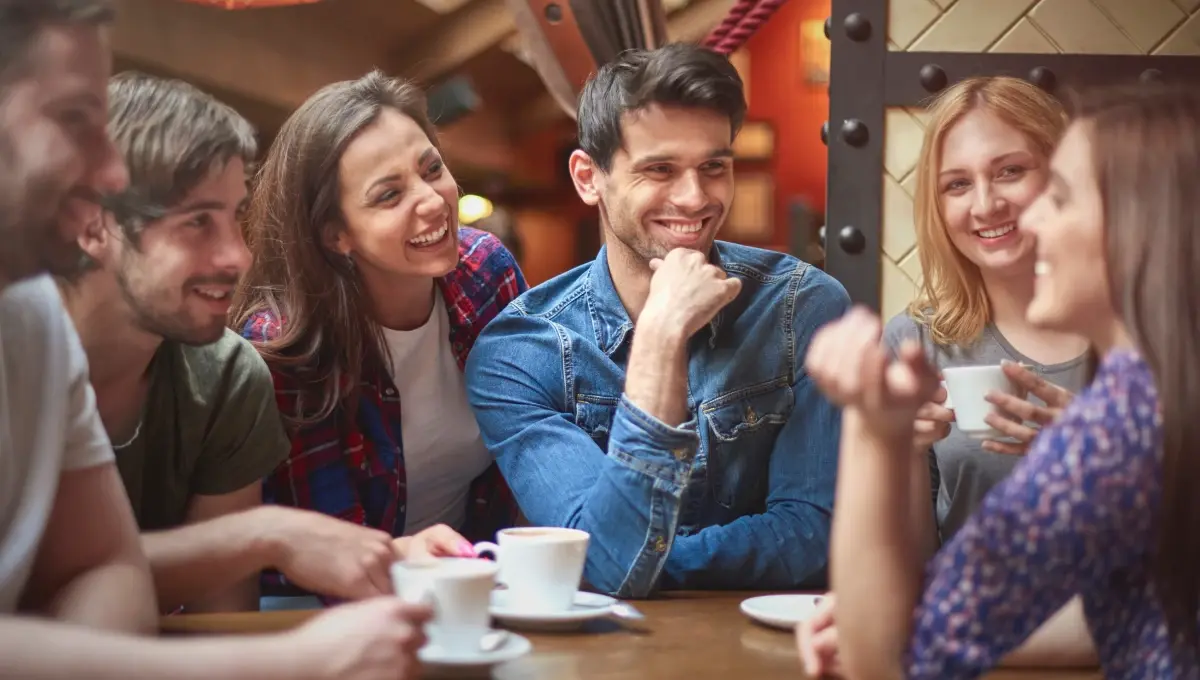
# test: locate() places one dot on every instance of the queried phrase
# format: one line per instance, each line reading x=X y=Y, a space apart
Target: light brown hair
x=328 y=334
x=172 y=136
x=952 y=301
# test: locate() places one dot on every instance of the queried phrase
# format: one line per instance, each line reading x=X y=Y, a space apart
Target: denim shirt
x=737 y=497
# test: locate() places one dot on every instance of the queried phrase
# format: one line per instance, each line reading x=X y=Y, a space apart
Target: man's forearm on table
x=633 y=509
x=785 y=548
x=194 y=562
x=115 y=595
x=32 y=649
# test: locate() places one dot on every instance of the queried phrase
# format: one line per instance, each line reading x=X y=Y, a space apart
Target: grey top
x=963 y=473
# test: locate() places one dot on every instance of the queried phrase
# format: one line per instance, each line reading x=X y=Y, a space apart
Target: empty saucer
x=781 y=611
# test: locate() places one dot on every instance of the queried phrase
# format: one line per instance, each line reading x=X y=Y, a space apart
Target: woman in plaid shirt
x=366 y=294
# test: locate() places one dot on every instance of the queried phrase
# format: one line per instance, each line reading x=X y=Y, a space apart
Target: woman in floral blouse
x=1104 y=504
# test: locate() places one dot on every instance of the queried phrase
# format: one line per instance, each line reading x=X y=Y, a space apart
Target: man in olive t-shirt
x=209 y=427
x=189 y=405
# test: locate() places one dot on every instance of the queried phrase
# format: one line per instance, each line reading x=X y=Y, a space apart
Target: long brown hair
x=327 y=331
x=1146 y=149
x=952 y=302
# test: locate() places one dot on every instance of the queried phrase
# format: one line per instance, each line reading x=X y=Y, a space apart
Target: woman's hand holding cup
x=1021 y=412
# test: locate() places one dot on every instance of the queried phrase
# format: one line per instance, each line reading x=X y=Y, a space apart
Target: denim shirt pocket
x=594 y=415
x=744 y=425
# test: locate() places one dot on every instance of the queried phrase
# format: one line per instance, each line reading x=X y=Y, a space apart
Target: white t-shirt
x=443 y=450
x=48 y=421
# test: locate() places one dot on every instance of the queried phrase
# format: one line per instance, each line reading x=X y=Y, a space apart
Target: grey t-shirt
x=966 y=471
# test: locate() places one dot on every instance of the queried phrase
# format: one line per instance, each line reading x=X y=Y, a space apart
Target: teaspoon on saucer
x=493 y=640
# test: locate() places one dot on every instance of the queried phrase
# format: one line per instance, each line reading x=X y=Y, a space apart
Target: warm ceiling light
x=251 y=4
x=472 y=208
x=443 y=6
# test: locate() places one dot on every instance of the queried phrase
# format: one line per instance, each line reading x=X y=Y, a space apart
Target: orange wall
x=780 y=94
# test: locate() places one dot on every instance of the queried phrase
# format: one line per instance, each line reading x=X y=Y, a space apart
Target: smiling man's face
x=671 y=182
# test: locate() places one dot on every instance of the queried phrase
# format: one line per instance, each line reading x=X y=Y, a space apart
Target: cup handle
x=484 y=547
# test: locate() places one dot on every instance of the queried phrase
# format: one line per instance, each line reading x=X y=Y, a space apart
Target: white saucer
x=587 y=606
x=435 y=658
x=780 y=611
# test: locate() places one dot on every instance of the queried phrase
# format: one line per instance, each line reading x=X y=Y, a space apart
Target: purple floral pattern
x=1077 y=516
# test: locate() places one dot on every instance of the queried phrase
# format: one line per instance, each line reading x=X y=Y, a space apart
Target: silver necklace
x=137 y=431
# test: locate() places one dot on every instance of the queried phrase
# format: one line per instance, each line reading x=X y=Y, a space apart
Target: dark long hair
x=328 y=334
x=1146 y=150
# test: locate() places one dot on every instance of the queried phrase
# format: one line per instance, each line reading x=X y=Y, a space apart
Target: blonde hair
x=952 y=302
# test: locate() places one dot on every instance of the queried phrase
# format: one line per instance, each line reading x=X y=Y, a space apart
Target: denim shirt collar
x=610 y=319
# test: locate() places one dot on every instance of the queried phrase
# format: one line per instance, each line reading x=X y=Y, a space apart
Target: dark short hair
x=22 y=20
x=678 y=74
x=172 y=136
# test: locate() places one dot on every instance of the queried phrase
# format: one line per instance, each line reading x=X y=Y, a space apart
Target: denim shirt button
x=680 y=454
x=660 y=545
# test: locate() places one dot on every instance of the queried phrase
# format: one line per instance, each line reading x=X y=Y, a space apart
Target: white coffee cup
x=459 y=590
x=967 y=387
x=541 y=566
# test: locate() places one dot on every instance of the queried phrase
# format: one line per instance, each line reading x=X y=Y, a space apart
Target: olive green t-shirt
x=209 y=427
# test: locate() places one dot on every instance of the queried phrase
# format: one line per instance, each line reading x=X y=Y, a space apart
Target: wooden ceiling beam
x=483 y=24
x=693 y=22
x=272 y=56
x=265 y=65
x=689 y=24
x=465 y=33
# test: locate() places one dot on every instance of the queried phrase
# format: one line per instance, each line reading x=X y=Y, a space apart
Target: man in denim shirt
x=656 y=397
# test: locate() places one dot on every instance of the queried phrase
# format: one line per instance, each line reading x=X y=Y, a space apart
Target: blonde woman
x=985 y=158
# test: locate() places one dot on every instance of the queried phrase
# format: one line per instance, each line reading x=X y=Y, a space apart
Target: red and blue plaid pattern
x=352 y=467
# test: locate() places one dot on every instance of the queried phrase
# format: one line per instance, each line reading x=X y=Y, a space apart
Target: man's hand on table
x=376 y=639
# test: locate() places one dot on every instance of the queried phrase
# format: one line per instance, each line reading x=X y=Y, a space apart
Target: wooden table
x=692 y=635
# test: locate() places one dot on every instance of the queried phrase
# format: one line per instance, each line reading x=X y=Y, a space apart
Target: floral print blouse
x=1077 y=516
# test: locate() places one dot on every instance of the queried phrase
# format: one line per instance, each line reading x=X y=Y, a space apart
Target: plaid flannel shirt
x=353 y=468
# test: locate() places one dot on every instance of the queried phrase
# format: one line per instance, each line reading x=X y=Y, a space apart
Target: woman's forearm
x=875 y=556
x=40 y=650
